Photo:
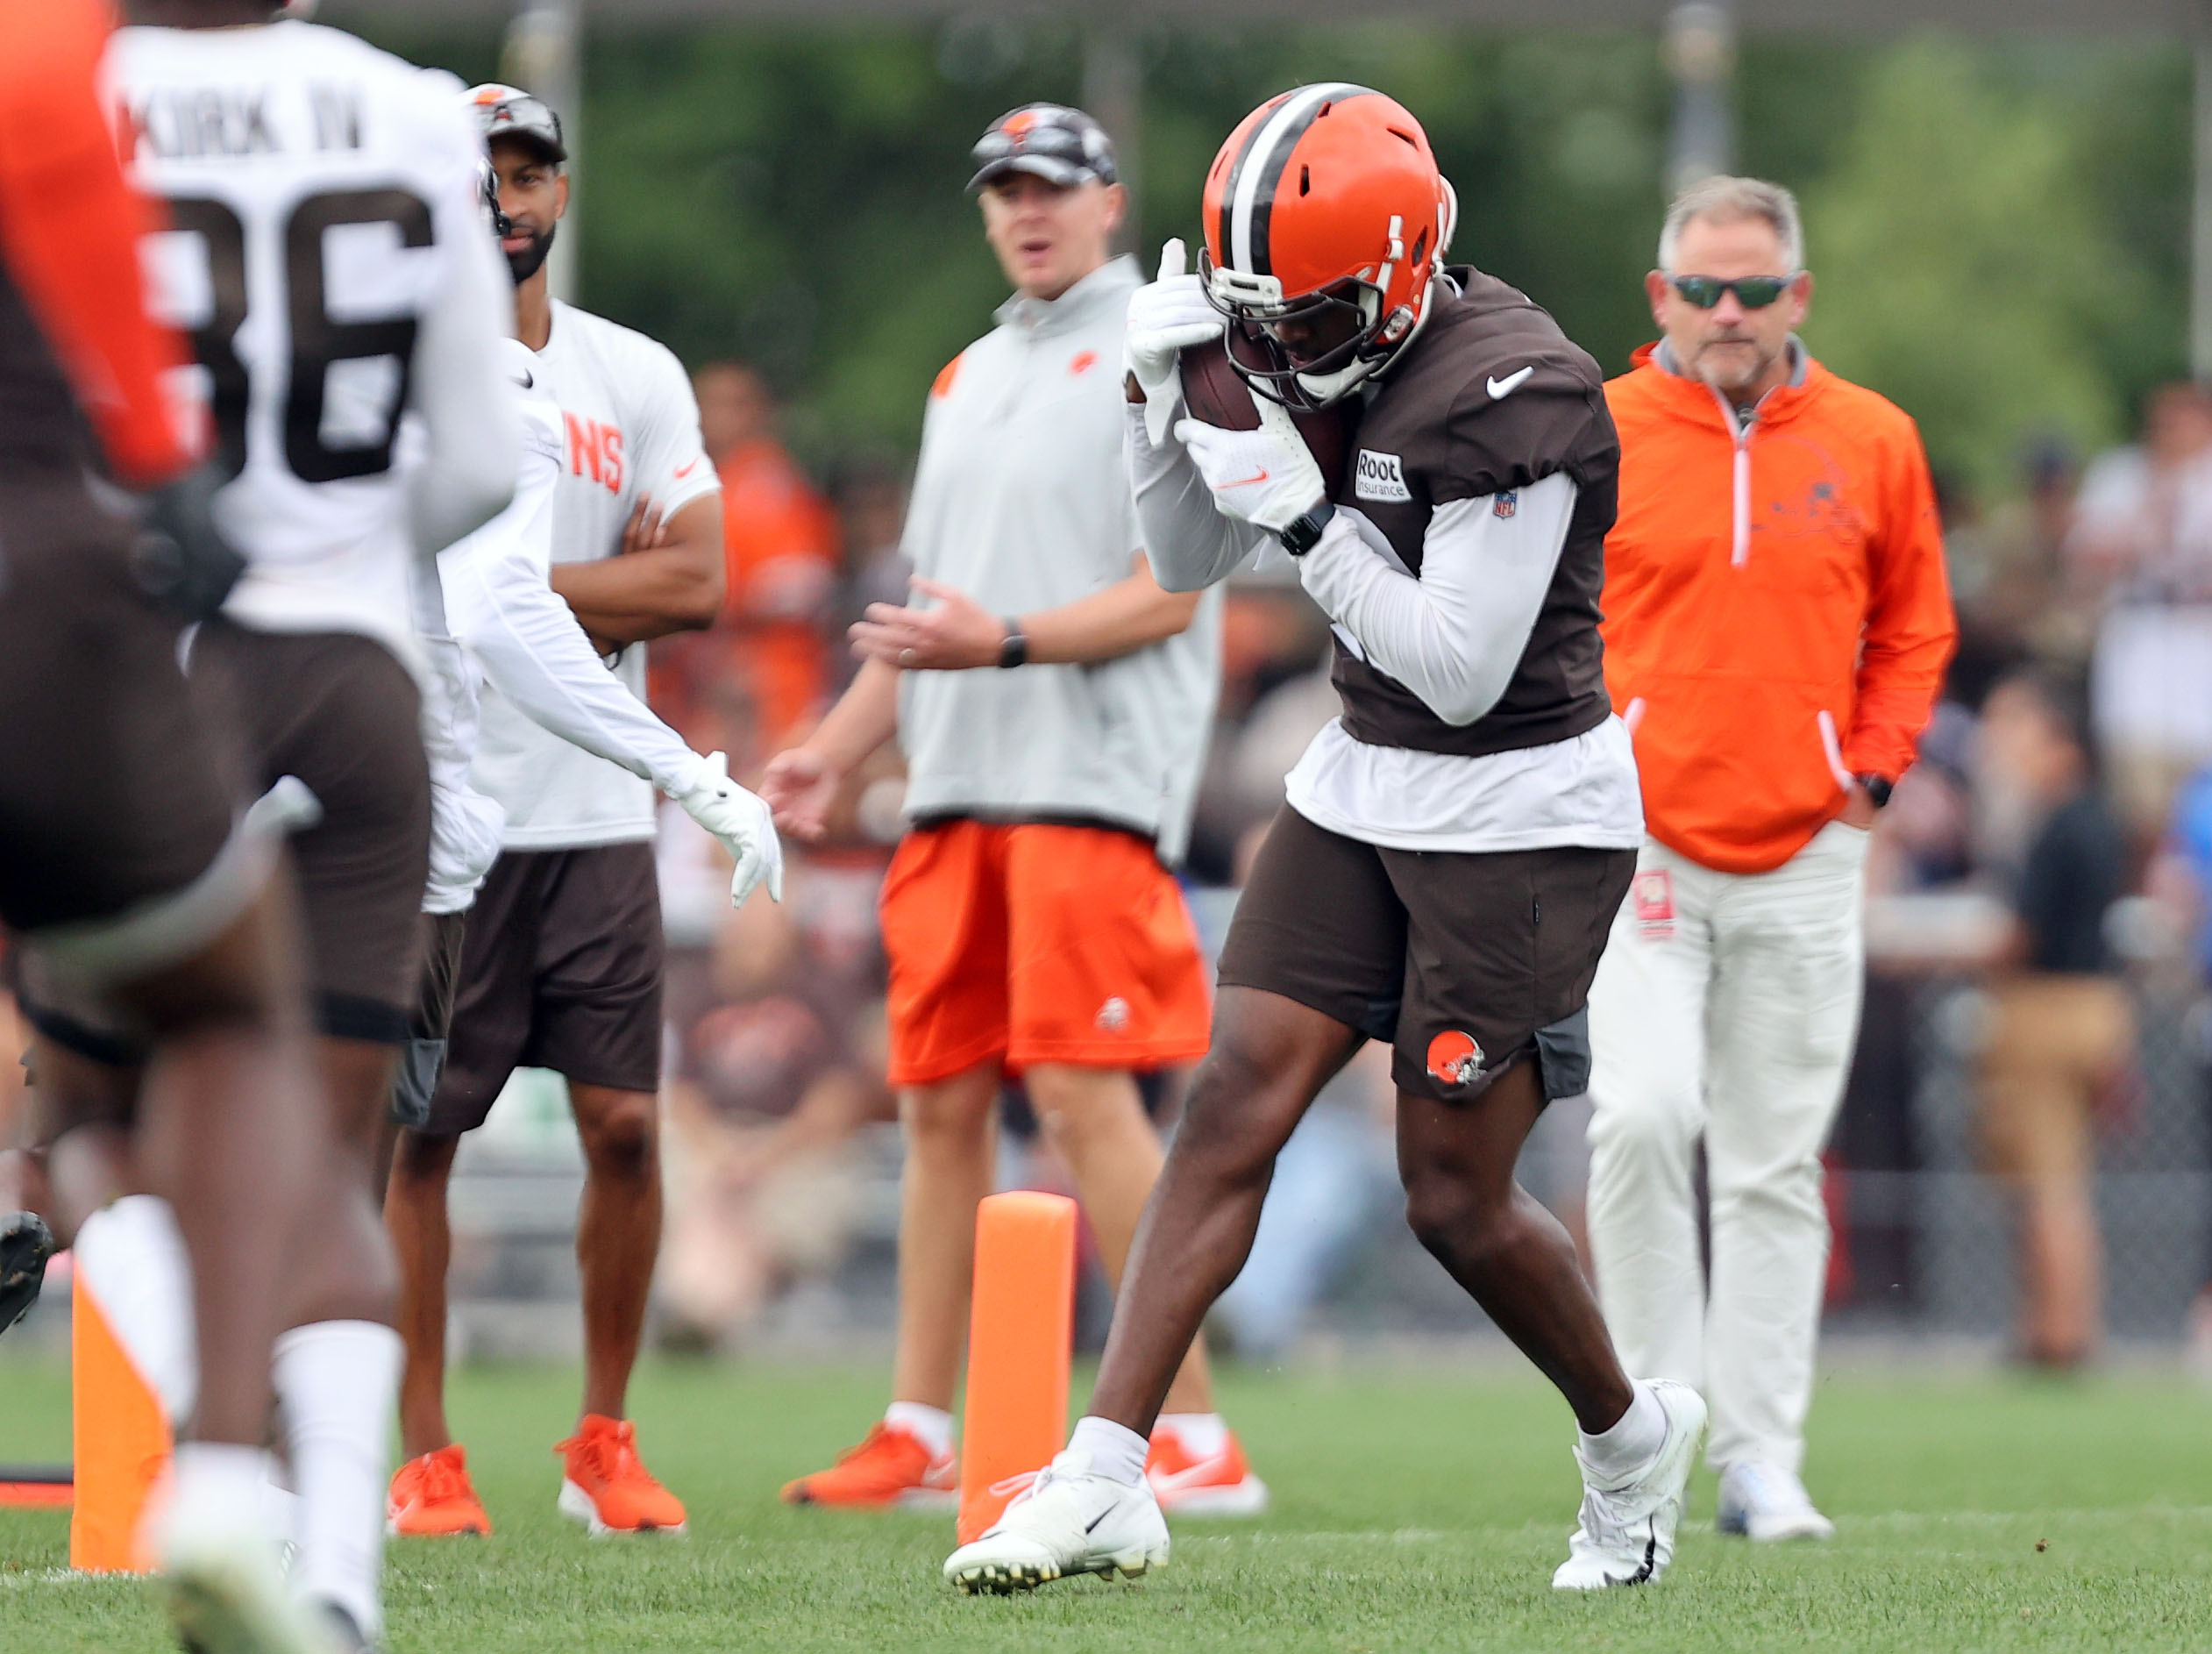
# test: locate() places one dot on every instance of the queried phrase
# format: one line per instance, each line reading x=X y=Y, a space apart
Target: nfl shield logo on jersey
x=1507 y=502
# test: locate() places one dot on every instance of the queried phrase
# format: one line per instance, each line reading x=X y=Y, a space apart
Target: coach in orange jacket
x=1777 y=625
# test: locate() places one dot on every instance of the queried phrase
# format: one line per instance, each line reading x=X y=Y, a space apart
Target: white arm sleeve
x=531 y=648
x=464 y=824
x=1454 y=636
x=1191 y=545
x=456 y=387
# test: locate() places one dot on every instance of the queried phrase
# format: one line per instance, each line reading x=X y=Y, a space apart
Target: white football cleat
x=1625 y=1532
x=1767 y=1503
x=227 y=1593
x=1070 y=1519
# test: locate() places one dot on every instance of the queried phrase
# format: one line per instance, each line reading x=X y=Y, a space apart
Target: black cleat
x=25 y=1243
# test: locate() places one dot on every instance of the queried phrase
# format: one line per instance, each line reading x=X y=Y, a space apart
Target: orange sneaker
x=890 y=1467
x=608 y=1487
x=1185 y=1484
x=431 y=1498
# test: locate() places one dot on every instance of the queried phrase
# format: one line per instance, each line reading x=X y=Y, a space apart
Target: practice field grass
x=1414 y=1509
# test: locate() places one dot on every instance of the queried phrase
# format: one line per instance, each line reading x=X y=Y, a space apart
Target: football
x=1216 y=397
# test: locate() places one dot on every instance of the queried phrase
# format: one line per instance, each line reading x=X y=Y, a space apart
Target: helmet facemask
x=1258 y=310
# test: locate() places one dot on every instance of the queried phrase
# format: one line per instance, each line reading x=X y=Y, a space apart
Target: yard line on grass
x=2106 y=1513
x=64 y=1576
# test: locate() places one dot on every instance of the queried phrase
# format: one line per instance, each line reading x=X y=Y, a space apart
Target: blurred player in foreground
x=1777 y=624
x=561 y=965
x=339 y=184
x=168 y=917
x=1454 y=845
x=1053 y=705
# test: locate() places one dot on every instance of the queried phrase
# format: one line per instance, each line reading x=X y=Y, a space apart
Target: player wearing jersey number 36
x=1455 y=844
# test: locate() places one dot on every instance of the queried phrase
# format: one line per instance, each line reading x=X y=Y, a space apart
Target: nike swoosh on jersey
x=683 y=471
x=1501 y=389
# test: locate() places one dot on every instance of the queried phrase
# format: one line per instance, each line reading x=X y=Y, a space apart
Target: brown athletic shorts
x=339 y=711
x=1465 y=962
x=561 y=969
x=113 y=791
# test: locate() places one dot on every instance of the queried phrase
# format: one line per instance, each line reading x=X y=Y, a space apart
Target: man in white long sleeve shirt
x=488 y=613
x=1454 y=845
x=561 y=963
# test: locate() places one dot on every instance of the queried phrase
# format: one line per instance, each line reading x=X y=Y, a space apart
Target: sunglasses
x=1753 y=292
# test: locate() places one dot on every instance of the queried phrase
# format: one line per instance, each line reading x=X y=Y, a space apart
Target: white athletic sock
x=1630 y=1443
x=931 y=1426
x=217 y=1485
x=338 y=1383
x=134 y=1261
x=1203 y=1435
x=1116 y=1451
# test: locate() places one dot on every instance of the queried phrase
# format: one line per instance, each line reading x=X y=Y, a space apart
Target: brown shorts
x=112 y=790
x=1466 y=963
x=339 y=711
x=561 y=969
x=423 y=1060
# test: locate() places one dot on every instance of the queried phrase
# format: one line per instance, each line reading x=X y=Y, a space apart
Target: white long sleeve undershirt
x=464 y=824
x=1455 y=635
x=1190 y=545
x=500 y=605
x=457 y=390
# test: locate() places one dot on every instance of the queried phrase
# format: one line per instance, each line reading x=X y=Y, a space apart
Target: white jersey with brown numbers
x=324 y=207
x=630 y=428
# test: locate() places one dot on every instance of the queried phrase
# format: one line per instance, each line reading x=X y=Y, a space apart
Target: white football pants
x=1725 y=1007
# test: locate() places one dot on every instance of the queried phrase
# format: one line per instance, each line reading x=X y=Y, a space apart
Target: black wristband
x=1014 y=651
x=1298 y=539
x=1878 y=789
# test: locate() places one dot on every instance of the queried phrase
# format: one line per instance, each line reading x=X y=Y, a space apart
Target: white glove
x=1266 y=477
x=741 y=820
x=1169 y=314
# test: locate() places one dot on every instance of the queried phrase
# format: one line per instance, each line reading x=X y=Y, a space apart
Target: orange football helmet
x=1325 y=220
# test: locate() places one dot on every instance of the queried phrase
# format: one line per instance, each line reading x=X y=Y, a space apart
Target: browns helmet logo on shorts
x=1454 y=1059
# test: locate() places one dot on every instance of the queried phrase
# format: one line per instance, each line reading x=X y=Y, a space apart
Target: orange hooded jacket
x=1777 y=618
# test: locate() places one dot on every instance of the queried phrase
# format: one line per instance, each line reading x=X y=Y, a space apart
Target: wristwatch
x=1878 y=787
x=1299 y=538
x=1015 y=651
x=1301 y=534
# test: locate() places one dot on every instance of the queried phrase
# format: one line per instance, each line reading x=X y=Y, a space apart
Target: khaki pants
x=2053 y=1041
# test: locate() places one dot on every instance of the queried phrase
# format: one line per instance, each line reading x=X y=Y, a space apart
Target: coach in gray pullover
x=1053 y=705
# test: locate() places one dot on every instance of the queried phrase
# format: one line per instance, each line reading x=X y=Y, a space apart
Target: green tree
x=1963 y=264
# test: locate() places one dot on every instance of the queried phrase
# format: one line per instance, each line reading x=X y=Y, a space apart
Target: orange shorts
x=1037 y=943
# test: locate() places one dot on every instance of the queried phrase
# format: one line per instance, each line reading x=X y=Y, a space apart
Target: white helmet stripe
x=1262 y=164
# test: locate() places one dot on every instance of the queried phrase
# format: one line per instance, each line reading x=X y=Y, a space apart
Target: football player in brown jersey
x=1454 y=846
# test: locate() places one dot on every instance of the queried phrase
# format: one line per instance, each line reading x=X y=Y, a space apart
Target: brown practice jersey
x=1490 y=397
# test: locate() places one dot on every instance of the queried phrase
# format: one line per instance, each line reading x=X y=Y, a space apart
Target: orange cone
x=121 y=1441
x=1019 y=1331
